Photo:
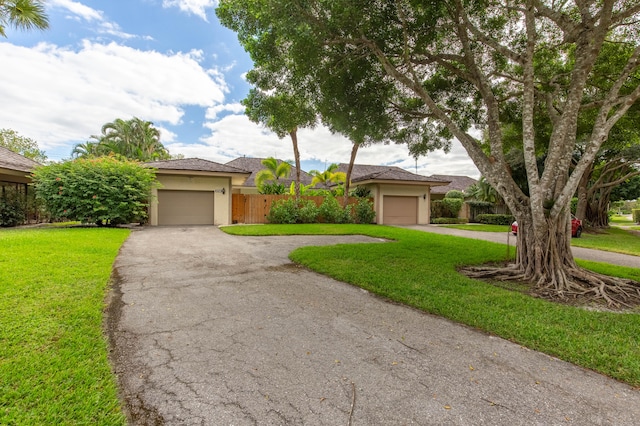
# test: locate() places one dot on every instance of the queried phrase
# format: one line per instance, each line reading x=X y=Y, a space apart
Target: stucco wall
x=222 y=202
x=378 y=191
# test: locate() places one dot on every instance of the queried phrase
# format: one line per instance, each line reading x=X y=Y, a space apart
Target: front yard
x=53 y=355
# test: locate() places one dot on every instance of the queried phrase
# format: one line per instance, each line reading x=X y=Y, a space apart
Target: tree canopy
x=434 y=71
x=22 y=14
x=134 y=139
x=22 y=145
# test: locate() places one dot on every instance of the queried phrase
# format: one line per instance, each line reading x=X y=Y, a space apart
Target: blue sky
x=166 y=61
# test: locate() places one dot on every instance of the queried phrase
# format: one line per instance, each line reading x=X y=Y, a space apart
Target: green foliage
x=272 y=188
x=454 y=193
x=24 y=146
x=332 y=212
x=133 y=139
x=102 y=190
x=12 y=207
x=23 y=14
x=283 y=211
x=453 y=206
x=495 y=219
x=308 y=211
x=54 y=368
x=361 y=191
x=363 y=212
x=636 y=215
x=445 y=220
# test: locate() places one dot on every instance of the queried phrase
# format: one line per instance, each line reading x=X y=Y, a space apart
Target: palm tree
x=134 y=139
x=22 y=14
x=329 y=176
x=272 y=173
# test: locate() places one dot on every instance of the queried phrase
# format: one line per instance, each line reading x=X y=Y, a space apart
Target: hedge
x=495 y=219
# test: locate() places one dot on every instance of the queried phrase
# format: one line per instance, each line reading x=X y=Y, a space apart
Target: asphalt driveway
x=212 y=329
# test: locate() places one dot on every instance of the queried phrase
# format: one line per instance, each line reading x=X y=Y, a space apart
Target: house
x=198 y=192
x=459 y=183
x=400 y=197
x=193 y=192
x=15 y=168
x=15 y=177
x=254 y=165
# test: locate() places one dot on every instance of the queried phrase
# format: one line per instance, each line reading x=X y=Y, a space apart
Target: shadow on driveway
x=212 y=329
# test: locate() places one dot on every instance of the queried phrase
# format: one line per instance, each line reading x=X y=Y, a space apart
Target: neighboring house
x=15 y=168
x=459 y=183
x=254 y=165
x=193 y=192
x=400 y=197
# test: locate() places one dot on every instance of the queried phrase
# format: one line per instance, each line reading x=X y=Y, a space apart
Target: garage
x=398 y=210
x=185 y=207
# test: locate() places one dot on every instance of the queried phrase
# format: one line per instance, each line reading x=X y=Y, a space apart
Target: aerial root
x=572 y=283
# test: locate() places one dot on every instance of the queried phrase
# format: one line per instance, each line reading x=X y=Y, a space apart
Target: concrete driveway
x=212 y=329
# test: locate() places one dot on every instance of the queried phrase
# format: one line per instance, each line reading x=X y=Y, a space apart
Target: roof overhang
x=236 y=178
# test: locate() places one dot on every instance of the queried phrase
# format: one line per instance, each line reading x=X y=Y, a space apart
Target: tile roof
x=195 y=164
x=363 y=172
x=459 y=183
x=254 y=165
x=14 y=161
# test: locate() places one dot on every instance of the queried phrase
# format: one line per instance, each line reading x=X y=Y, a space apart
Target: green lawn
x=53 y=355
x=613 y=239
x=419 y=269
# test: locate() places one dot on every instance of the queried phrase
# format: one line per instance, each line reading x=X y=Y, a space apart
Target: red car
x=576 y=227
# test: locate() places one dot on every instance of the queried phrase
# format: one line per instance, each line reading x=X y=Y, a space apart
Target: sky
x=169 y=62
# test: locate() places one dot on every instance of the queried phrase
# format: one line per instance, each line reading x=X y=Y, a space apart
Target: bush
x=12 y=211
x=453 y=206
x=495 y=219
x=283 y=211
x=104 y=190
x=361 y=192
x=636 y=215
x=272 y=189
x=454 y=193
x=447 y=220
x=332 y=212
x=362 y=211
x=308 y=211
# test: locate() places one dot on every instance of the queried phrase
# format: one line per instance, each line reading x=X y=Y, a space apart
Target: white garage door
x=400 y=210
x=185 y=207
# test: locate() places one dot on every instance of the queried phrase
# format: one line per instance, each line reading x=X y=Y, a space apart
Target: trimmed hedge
x=495 y=219
x=636 y=215
x=447 y=220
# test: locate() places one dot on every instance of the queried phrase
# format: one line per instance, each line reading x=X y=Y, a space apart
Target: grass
x=419 y=269
x=620 y=220
x=53 y=355
x=611 y=239
x=481 y=227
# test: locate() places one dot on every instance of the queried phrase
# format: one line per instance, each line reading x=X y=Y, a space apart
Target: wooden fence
x=254 y=208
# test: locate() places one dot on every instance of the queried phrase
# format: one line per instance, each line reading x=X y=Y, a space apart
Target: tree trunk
x=352 y=160
x=296 y=154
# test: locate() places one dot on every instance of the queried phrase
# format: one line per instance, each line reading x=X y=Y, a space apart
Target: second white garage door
x=185 y=207
x=400 y=210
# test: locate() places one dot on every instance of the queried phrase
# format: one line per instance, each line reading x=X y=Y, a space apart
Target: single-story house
x=15 y=168
x=254 y=165
x=458 y=183
x=198 y=192
x=193 y=192
x=399 y=196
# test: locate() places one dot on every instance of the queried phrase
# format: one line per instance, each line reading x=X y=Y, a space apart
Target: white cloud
x=93 y=16
x=60 y=96
x=213 y=112
x=195 y=7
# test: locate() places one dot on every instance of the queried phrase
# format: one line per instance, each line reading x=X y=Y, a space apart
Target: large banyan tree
x=454 y=69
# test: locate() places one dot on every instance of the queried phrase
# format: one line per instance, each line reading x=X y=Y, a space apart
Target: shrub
x=104 y=190
x=12 y=211
x=308 y=211
x=453 y=206
x=332 y=212
x=636 y=215
x=361 y=192
x=495 y=219
x=454 y=193
x=362 y=211
x=283 y=211
x=272 y=188
x=447 y=220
